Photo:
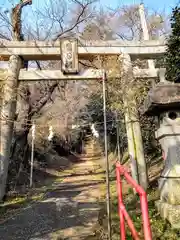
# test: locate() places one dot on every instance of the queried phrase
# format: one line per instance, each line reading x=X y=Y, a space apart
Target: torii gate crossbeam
x=45 y=51
x=88 y=74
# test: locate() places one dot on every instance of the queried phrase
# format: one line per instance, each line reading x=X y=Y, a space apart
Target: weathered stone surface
x=168 y=134
x=170 y=213
x=164 y=96
x=164 y=101
x=41 y=50
x=169 y=185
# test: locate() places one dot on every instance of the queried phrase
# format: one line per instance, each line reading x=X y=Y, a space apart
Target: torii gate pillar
x=133 y=129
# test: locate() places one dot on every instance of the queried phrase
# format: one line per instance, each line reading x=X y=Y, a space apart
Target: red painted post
x=145 y=217
x=144 y=206
x=130 y=224
x=143 y=200
x=120 y=202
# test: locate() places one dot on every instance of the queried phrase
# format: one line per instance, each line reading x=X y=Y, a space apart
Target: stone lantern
x=163 y=101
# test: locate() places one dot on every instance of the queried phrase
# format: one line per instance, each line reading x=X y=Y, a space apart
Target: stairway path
x=68 y=212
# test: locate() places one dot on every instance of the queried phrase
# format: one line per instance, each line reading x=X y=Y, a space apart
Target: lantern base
x=169 y=212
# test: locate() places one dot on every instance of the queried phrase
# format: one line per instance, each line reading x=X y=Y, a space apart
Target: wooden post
x=32 y=153
x=108 y=193
x=145 y=31
x=117 y=133
x=128 y=118
x=130 y=140
x=151 y=66
x=135 y=143
x=8 y=110
x=138 y=142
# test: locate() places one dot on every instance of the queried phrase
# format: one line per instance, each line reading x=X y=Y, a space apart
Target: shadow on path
x=68 y=212
x=59 y=211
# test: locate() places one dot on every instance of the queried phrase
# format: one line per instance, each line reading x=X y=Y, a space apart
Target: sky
x=154 y=4
x=157 y=5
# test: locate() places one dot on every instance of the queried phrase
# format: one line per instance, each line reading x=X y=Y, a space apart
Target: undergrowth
x=161 y=229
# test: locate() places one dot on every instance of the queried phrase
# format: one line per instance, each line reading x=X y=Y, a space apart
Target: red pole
x=130 y=224
x=120 y=204
x=145 y=217
x=144 y=205
x=143 y=200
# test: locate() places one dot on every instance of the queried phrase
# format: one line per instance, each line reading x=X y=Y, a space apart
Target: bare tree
x=10 y=97
x=126 y=22
x=56 y=20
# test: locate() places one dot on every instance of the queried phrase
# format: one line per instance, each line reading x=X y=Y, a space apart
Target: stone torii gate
x=45 y=51
x=69 y=51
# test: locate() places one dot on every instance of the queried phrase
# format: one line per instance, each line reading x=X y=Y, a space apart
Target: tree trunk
x=22 y=141
x=7 y=118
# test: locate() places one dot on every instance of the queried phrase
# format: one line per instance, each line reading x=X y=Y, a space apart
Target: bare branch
x=43 y=100
x=79 y=19
x=16 y=18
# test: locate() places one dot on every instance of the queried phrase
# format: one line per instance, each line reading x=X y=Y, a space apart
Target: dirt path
x=69 y=212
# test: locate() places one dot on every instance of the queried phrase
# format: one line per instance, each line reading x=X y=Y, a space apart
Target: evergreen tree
x=172 y=57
